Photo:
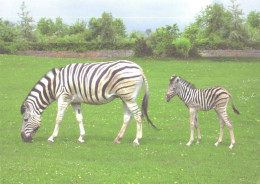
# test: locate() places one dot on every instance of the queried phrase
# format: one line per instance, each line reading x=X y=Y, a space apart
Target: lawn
x=162 y=156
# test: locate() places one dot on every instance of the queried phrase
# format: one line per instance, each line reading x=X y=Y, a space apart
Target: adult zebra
x=95 y=83
x=203 y=99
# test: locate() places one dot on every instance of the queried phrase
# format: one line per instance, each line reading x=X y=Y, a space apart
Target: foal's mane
x=188 y=84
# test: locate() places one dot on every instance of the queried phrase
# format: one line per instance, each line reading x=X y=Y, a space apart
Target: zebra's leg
x=193 y=113
x=62 y=106
x=127 y=119
x=222 y=124
x=197 y=128
x=134 y=109
x=228 y=122
x=78 y=113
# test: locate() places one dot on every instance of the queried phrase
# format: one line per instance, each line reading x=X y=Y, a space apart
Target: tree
x=78 y=27
x=61 y=29
x=46 y=26
x=237 y=13
x=95 y=28
x=107 y=28
x=107 y=31
x=161 y=40
x=26 y=26
x=238 y=35
x=8 y=32
x=119 y=29
x=253 y=18
x=148 y=32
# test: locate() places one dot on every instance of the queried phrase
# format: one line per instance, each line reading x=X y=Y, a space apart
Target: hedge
x=12 y=47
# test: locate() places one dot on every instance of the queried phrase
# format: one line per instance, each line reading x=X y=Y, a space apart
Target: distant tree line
x=215 y=27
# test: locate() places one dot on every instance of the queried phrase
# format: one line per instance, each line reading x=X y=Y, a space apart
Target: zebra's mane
x=23 y=107
x=186 y=83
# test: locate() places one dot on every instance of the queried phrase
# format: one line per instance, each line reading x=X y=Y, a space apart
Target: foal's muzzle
x=168 y=98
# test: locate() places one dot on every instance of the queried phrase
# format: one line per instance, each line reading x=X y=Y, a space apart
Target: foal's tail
x=145 y=103
x=233 y=106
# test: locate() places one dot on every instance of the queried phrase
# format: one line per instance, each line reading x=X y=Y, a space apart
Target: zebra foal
x=203 y=99
x=96 y=84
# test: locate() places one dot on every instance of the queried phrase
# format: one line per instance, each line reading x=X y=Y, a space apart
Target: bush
x=11 y=47
x=141 y=48
x=80 y=47
x=183 y=46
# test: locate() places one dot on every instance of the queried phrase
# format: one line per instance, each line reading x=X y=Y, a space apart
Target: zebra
x=90 y=83
x=203 y=99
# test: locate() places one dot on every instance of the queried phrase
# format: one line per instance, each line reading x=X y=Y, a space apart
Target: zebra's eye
x=25 y=120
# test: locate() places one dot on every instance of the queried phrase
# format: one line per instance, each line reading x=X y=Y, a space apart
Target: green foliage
x=216 y=27
x=162 y=156
x=253 y=18
x=26 y=26
x=161 y=40
x=11 y=47
x=45 y=26
x=107 y=28
x=8 y=32
x=183 y=46
x=67 y=45
x=78 y=27
x=141 y=49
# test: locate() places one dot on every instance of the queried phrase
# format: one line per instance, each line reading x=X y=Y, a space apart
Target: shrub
x=141 y=48
x=11 y=47
x=183 y=46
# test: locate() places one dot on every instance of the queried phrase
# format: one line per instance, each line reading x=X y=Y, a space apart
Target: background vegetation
x=215 y=27
x=162 y=156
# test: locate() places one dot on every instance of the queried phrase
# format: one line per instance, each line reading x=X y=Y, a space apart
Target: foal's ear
x=177 y=79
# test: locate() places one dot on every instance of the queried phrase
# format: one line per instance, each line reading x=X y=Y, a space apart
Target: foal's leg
x=78 y=113
x=222 y=124
x=127 y=119
x=228 y=122
x=197 y=128
x=193 y=113
x=62 y=106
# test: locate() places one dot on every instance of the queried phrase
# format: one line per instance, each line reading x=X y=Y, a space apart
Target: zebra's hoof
x=188 y=144
x=50 y=140
x=231 y=146
x=81 y=141
x=136 y=143
x=116 y=141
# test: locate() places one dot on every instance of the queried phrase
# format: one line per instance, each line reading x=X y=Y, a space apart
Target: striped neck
x=44 y=92
x=185 y=91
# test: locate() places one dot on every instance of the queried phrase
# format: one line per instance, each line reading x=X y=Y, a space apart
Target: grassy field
x=162 y=156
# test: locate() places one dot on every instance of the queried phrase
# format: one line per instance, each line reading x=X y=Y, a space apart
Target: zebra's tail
x=145 y=103
x=233 y=106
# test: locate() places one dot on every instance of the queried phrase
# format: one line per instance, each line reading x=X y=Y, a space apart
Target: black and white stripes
x=95 y=83
x=202 y=99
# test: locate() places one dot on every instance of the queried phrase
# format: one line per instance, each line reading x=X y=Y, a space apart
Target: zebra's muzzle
x=26 y=138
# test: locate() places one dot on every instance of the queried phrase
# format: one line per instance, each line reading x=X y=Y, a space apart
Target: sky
x=137 y=15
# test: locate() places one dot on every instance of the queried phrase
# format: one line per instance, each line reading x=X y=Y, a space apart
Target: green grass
x=162 y=156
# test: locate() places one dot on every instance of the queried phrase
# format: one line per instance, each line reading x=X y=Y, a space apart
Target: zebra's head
x=31 y=122
x=172 y=87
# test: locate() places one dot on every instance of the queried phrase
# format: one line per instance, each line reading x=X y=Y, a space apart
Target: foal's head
x=173 y=87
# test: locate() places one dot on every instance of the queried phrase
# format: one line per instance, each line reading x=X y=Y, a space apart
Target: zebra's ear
x=24 y=106
x=22 y=109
